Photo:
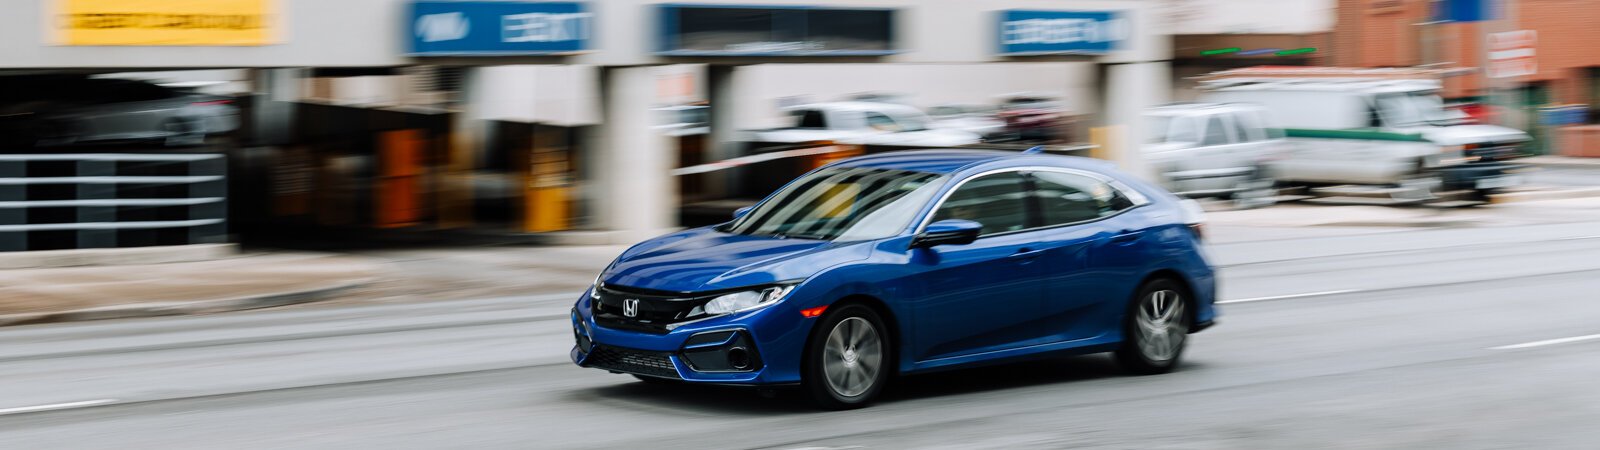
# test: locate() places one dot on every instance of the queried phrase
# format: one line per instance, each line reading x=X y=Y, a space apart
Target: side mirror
x=737 y=213
x=948 y=232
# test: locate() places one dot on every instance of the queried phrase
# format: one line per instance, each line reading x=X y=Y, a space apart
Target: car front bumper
x=754 y=348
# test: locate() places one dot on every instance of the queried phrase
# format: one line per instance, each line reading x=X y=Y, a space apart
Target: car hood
x=705 y=259
x=1472 y=134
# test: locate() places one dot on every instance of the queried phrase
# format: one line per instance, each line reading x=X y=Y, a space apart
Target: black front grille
x=654 y=311
x=631 y=361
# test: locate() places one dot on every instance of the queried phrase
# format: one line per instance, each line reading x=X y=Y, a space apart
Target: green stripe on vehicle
x=1366 y=134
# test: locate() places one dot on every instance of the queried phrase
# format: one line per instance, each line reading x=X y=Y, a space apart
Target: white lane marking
x=1286 y=297
x=53 y=406
x=1577 y=238
x=1547 y=342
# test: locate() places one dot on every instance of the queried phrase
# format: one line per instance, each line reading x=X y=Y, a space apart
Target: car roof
x=1173 y=109
x=943 y=161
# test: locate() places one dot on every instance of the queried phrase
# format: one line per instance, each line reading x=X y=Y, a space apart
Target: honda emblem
x=630 y=307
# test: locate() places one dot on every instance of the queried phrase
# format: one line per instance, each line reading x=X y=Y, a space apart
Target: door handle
x=1025 y=254
x=1127 y=236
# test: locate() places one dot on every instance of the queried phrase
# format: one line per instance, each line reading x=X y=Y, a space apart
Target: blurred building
x=1389 y=33
x=1552 y=83
x=1212 y=35
x=555 y=117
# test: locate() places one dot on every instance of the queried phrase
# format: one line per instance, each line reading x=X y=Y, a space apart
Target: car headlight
x=746 y=300
x=594 y=288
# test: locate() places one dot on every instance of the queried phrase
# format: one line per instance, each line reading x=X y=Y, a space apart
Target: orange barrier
x=397 y=189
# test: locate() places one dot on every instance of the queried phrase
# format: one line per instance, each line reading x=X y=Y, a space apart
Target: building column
x=721 y=95
x=637 y=197
x=1127 y=90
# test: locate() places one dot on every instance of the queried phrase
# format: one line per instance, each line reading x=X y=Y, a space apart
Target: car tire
x=848 y=358
x=54 y=133
x=1156 y=328
x=184 y=133
x=1254 y=193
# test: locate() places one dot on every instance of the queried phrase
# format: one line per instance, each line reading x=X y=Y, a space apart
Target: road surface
x=1458 y=338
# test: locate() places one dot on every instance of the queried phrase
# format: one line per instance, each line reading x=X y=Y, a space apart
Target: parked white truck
x=865 y=123
x=1382 y=127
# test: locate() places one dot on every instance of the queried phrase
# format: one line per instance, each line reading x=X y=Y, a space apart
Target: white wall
x=348 y=33
x=926 y=85
x=549 y=94
x=1249 y=16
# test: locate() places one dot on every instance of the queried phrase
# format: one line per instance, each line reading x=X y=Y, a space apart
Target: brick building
x=1387 y=33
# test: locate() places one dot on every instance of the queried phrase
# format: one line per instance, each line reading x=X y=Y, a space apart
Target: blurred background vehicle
x=1032 y=117
x=65 y=110
x=898 y=98
x=1213 y=150
x=1384 y=127
x=862 y=123
x=974 y=118
x=685 y=120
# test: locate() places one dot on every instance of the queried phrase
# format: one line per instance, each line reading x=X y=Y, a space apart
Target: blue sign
x=1027 y=32
x=479 y=28
x=1466 y=10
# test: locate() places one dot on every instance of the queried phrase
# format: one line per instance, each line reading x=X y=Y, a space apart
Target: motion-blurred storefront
x=568 y=119
x=1537 y=64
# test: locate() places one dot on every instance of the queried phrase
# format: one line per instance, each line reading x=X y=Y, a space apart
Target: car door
x=1081 y=234
x=1215 y=164
x=977 y=297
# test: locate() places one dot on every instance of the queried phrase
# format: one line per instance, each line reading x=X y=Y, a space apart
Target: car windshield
x=1414 y=109
x=1155 y=128
x=913 y=122
x=841 y=203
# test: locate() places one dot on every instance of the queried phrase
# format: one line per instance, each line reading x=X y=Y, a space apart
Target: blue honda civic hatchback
x=908 y=262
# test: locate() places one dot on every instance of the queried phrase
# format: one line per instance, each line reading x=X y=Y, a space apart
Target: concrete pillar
x=468 y=133
x=721 y=94
x=1129 y=88
x=638 y=199
x=273 y=117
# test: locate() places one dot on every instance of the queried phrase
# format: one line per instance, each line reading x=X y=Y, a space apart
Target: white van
x=1371 y=126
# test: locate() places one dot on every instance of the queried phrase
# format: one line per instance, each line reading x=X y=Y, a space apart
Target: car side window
x=812 y=118
x=1244 y=129
x=1068 y=198
x=1184 y=129
x=1215 y=133
x=997 y=201
x=881 y=122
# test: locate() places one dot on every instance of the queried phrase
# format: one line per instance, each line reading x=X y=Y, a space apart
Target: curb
x=1531 y=196
x=182 y=308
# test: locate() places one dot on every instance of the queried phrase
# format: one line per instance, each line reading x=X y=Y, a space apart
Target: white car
x=1213 y=150
x=864 y=123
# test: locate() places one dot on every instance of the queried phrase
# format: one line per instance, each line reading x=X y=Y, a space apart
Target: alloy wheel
x=852 y=357
x=1161 y=325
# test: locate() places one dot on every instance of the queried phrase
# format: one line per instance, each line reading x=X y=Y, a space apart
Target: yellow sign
x=165 y=22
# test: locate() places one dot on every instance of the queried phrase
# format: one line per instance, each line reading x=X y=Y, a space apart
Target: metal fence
x=100 y=200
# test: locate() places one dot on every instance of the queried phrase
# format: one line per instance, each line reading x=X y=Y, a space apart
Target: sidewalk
x=66 y=294
x=1559 y=161
x=1294 y=215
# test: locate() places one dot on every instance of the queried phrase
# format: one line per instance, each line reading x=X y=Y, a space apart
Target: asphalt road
x=1380 y=340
